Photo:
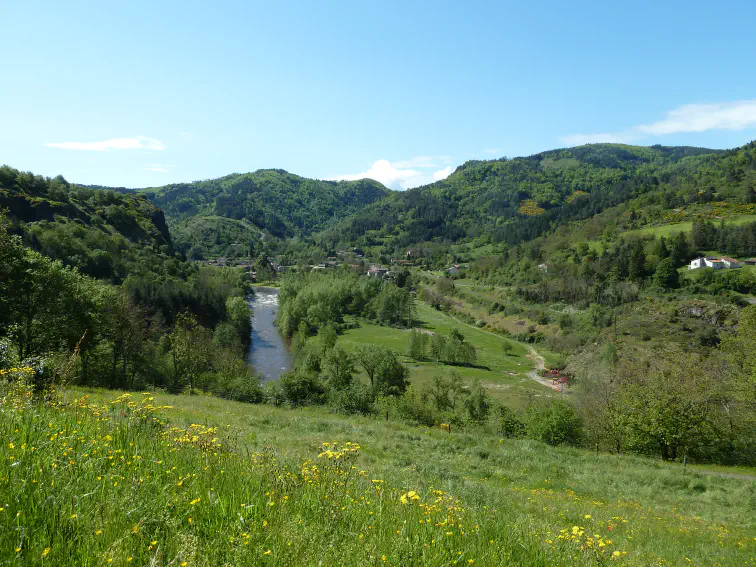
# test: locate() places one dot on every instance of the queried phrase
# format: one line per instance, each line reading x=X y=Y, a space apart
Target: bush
x=556 y=423
x=413 y=408
x=509 y=424
x=303 y=388
x=356 y=398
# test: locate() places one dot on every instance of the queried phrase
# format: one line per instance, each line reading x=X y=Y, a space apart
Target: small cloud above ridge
x=404 y=174
x=687 y=118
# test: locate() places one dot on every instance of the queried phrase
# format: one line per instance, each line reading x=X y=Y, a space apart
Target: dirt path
x=540 y=363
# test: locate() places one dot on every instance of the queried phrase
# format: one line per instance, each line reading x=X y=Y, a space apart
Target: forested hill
x=103 y=233
x=210 y=216
x=516 y=200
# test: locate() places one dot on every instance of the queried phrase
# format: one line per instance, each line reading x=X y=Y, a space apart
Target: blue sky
x=141 y=94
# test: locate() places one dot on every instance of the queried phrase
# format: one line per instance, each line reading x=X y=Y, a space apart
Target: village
x=352 y=259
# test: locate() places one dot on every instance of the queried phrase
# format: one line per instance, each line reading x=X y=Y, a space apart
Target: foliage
x=555 y=423
x=235 y=213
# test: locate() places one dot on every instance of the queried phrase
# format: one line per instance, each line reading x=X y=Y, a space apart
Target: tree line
x=74 y=328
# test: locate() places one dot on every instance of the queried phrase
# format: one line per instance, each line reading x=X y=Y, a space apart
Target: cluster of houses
x=720 y=263
x=345 y=258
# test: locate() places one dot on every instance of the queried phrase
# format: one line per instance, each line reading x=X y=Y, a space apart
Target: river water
x=268 y=352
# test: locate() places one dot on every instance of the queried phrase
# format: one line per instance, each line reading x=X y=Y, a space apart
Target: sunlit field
x=88 y=478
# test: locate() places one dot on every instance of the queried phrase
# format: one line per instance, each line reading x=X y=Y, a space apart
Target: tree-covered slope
x=103 y=233
x=515 y=200
x=268 y=201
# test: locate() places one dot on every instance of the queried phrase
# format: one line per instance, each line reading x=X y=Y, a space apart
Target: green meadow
x=156 y=479
x=504 y=375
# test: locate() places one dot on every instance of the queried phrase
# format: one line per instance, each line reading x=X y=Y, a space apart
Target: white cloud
x=494 y=151
x=136 y=143
x=405 y=174
x=442 y=173
x=737 y=115
x=159 y=167
x=383 y=171
x=702 y=117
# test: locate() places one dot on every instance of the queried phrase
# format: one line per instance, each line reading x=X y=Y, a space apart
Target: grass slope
x=88 y=482
x=505 y=376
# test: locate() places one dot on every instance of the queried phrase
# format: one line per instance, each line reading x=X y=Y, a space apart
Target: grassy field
x=669 y=230
x=505 y=376
x=212 y=482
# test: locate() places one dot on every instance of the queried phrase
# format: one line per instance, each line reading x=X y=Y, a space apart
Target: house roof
x=728 y=259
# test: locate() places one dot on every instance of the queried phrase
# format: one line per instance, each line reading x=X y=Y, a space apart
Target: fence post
x=685 y=462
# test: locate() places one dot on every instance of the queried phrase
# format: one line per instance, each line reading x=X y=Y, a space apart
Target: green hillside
x=196 y=481
x=93 y=273
x=510 y=201
x=103 y=233
x=266 y=202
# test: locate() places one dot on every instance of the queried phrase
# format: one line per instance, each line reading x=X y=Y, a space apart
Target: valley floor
x=507 y=376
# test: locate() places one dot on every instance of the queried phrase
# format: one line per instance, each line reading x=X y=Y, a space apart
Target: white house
x=694 y=264
x=730 y=262
x=378 y=273
x=715 y=263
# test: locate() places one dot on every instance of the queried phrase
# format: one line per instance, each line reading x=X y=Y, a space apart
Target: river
x=268 y=352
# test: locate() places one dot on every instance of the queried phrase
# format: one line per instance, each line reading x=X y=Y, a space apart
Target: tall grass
x=84 y=481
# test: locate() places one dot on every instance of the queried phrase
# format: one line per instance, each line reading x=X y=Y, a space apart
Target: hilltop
x=215 y=216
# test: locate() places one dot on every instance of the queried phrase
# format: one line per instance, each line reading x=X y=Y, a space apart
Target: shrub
x=303 y=388
x=556 y=423
x=509 y=424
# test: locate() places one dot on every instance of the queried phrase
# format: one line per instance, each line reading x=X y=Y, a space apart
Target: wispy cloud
x=494 y=151
x=136 y=143
x=442 y=173
x=737 y=115
x=158 y=167
x=404 y=174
